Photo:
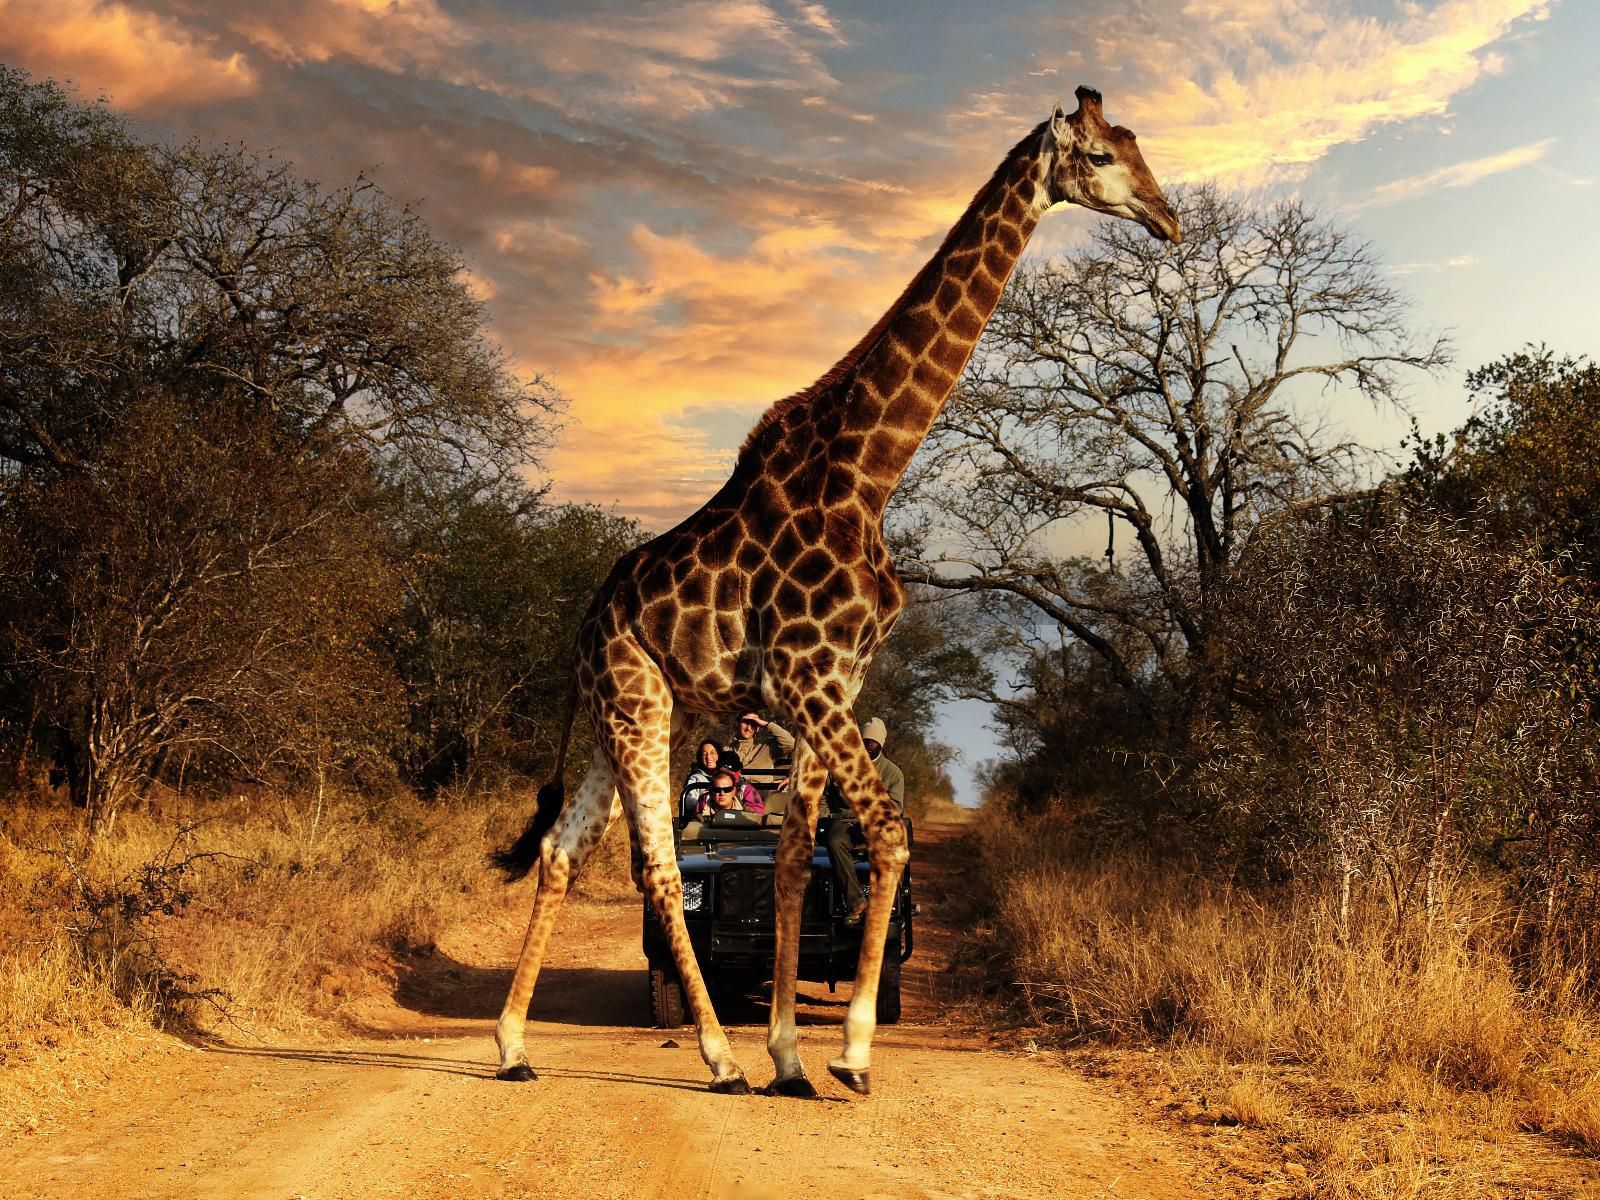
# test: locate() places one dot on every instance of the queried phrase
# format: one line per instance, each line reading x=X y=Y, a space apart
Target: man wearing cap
x=845 y=826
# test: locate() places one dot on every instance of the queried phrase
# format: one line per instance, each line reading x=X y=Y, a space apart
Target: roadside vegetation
x=238 y=917
x=1301 y=775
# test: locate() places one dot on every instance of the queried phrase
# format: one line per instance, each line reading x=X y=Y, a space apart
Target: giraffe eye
x=1101 y=160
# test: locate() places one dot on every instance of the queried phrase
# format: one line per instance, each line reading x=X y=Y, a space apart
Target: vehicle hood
x=711 y=857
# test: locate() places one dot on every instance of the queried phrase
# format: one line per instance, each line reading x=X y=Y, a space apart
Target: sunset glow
x=684 y=211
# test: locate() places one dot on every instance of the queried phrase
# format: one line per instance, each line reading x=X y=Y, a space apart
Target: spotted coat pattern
x=776 y=593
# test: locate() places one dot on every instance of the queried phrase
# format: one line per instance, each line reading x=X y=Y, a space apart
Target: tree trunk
x=111 y=768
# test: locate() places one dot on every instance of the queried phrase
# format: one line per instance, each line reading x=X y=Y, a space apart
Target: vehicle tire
x=889 y=989
x=667 y=1004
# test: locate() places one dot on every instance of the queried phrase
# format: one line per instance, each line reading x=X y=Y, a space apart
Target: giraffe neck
x=903 y=380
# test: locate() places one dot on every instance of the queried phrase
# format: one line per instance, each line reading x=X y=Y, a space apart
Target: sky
x=682 y=210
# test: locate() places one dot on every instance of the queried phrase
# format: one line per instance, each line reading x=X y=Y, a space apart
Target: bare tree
x=1157 y=385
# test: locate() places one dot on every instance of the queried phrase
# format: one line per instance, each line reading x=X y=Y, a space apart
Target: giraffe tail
x=517 y=859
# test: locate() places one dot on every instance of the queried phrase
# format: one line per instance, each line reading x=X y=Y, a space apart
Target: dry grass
x=297 y=913
x=1392 y=1054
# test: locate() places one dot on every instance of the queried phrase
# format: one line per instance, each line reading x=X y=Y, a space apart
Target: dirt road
x=413 y=1110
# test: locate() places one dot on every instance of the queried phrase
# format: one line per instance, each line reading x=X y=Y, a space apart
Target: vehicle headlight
x=694 y=895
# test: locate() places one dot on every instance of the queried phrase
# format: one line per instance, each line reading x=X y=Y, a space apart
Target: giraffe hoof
x=859 y=1082
x=733 y=1085
x=520 y=1073
x=797 y=1086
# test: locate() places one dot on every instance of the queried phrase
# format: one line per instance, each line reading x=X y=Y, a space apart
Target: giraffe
x=776 y=593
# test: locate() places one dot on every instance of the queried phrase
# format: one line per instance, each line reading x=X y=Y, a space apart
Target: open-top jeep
x=727 y=863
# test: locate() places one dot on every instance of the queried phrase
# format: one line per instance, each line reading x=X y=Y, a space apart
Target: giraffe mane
x=842 y=369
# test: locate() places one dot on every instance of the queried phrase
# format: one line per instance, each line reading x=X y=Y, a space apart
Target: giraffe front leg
x=887 y=852
x=664 y=886
x=578 y=830
x=792 y=875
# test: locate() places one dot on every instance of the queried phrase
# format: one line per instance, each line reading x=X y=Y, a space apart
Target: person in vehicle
x=762 y=744
x=723 y=794
x=698 y=784
x=845 y=829
x=744 y=797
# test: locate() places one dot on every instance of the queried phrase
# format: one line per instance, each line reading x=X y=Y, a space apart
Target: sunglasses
x=722 y=791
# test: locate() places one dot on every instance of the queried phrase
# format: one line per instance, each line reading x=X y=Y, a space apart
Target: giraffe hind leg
x=576 y=831
x=638 y=729
x=791 y=877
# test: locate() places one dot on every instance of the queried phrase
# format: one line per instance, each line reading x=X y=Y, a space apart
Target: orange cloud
x=687 y=329
x=680 y=59
x=690 y=345
x=137 y=58
x=1256 y=90
x=391 y=35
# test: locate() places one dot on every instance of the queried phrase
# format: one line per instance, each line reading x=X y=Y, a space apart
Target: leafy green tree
x=195 y=596
x=495 y=584
x=1525 y=462
x=205 y=364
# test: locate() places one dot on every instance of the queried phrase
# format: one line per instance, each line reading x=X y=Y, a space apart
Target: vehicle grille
x=745 y=893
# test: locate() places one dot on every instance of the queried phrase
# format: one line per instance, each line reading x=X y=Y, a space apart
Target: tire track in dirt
x=413 y=1110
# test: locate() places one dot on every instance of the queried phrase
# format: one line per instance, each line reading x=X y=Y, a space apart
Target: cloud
x=688 y=208
x=1453 y=263
x=1253 y=91
x=686 y=329
x=672 y=60
x=1566 y=177
x=1457 y=175
x=394 y=35
x=816 y=17
x=138 y=58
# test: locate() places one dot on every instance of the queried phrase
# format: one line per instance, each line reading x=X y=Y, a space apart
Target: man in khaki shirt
x=845 y=828
x=762 y=745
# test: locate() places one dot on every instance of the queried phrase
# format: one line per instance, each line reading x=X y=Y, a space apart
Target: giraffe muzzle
x=1163 y=224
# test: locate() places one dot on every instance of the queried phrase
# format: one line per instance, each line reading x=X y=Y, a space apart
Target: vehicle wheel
x=667 y=1004
x=889 y=990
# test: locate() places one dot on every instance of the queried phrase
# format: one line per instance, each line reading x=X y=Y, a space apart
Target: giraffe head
x=1098 y=165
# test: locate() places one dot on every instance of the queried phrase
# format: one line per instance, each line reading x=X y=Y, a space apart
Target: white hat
x=875 y=731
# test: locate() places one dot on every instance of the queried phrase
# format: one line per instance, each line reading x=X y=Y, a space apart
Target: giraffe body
x=776 y=593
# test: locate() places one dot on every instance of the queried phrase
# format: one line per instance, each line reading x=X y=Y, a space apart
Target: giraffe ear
x=1058 y=125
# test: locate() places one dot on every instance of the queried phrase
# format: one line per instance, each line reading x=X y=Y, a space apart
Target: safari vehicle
x=727 y=863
